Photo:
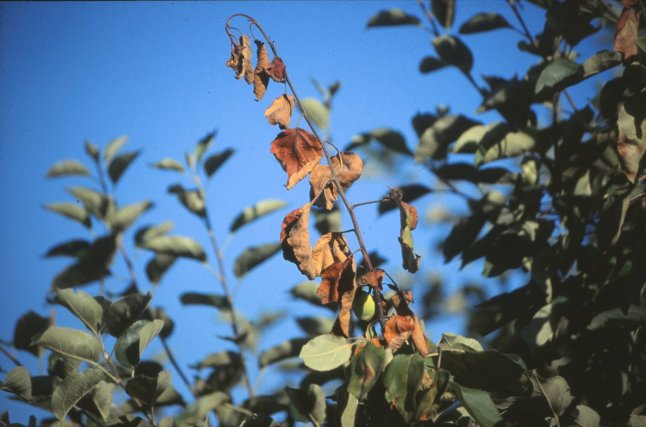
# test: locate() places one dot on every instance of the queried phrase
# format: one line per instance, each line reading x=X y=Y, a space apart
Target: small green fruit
x=364 y=306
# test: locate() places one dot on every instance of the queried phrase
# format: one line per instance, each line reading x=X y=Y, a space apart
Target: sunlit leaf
x=254 y=256
x=83 y=306
x=71 y=343
x=178 y=246
x=94 y=202
x=113 y=147
x=168 y=164
x=149 y=231
x=256 y=211
x=67 y=168
x=72 y=211
x=203 y=145
x=484 y=22
x=91 y=150
x=73 y=389
x=191 y=199
x=124 y=217
x=18 y=382
x=326 y=352
x=393 y=17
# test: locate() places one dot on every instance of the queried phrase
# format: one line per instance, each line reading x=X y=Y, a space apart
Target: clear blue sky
x=71 y=72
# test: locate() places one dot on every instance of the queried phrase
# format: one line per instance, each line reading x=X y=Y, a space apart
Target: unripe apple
x=364 y=305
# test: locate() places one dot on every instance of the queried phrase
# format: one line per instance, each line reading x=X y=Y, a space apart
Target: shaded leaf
x=119 y=164
x=409 y=193
x=365 y=370
x=479 y=405
x=484 y=22
x=113 y=147
x=197 y=411
x=408 y=222
x=67 y=168
x=73 y=389
x=193 y=298
x=190 y=199
x=261 y=72
x=298 y=152
x=168 y=164
x=306 y=291
x=316 y=111
x=134 y=340
x=314 y=326
x=127 y=215
x=451 y=341
x=203 y=146
x=430 y=63
x=91 y=150
x=453 y=51
x=71 y=248
x=72 y=211
x=71 y=343
x=280 y=111
x=18 y=382
x=214 y=161
x=253 y=257
x=599 y=62
x=634 y=316
x=326 y=352
x=401 y=379
x=558 y=75
x=83 y=306
x=435 y=140
x=388 y=138
x=28 y=326
x=147 y=388
x=393 y=17
x=177 y=246
x=149 y=231
x=158 y=266
x=92 y=265
x=462 y=235
x=285 y=350
x=307 y=405
x=444 y=12
x=256 y=211
x=125 y=312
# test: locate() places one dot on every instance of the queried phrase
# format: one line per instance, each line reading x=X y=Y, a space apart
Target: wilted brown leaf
x=342 y=325
x=336 y=279
x=298 y=152
x=330 y=248
x=400 y=301
x=408 y=220
x=240 y=60
x=280 y=111
x=373 y=278
x=261 y=73
x=419 y=339
x=295 y=240
x=398 y=329
x=348 y=169
x=626 y=33
x=631 y=142
x=277 y=70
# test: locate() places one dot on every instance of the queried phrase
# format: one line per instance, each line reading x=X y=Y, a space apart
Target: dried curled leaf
x=277 y=70
x=261 y=73
x=295 y=240
x=398 y=329
x=373 y=278
x=631 y=142
x=400 y=301
x=280 y=111
x=330 y=248
x=347 y=166
x=240 y=60
x=337 y=279
x=626 y=33
x=342 y=325
x=298 y=152
x=408 y=215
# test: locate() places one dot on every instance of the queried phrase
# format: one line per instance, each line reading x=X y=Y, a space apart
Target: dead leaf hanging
x=342 y=324
x=280 y=111
x=373 y=278
x=240 y=60
x=277 y=70
x=626 y=33
x=330 y=248
x=397 y=330
x=348 y=169
x=408 y=216
x=261 y=73
x=298 y=152
x=336 y=279
x=295 y=240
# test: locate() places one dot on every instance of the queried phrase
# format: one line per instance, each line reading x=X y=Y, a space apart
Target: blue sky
x=71 y=72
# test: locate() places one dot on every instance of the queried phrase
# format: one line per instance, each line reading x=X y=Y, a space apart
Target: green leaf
x=132 y=343
x=479 y=405
x=453 y=51
x=254 y=212
x=634 y=316
x=168 y=164
x=314 y=326
x=430 y=63
x=158 y=266
x=349 y=413
x=307 y=405
x=92 y=265
x=326 y=352
x=285 y=350
x=73 y=389
x=196 y=412
x=91 y=150
x=306 y=291
x=61 y=366
x=96 y=203
x=119 y=164
x=558 y=75
x=71 y=248
x=149 y=231
x=147 y=389
x=393 y=17
x=18 y=382
x=254 y=256
x=599 y=62
x=221 y=358
x=365 y=370
x=451 y=341
x=191 y=199
x=67 y=168
x=125 y=312
x=113 y=147
x=484 y=22
x=72 y=211
x=587 y=417
x=435 y=140
x=83 y=306
x=127 y=215
x=462 y=235
x=102 y=399
x=444 y=12
x=511 y=145
x=401 y=380
x=213 y=300
x=388 y=138
x=317 y=112
x=178 y=246
x=215 y=161
x=27 y=327
x=203 y=146
x=409 y=192
x=71 y=343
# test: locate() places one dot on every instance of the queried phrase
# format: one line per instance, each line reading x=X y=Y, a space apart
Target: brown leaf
x=419 y=339
x=295 y=240
x=298 y=152
x=330 y=248
x=348 y=168
x=373 y=278
x=342 y=325
x=631 y=142
x=280 y=111
x=408 y=222
x=336 y=279
x=261 y=73
x=626 y=33
x=240 y=60
x=277 y=70
x=398 y=329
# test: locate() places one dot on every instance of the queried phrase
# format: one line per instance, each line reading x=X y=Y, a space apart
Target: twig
x=178 y=368
x=10 y=356
x=514 y=8
x=430 y=17
x=371 y=202
x=549 y=404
